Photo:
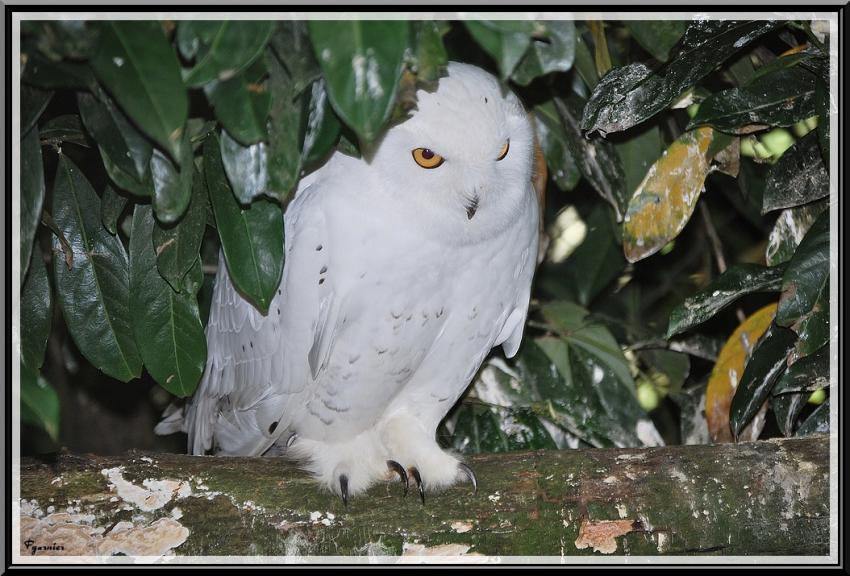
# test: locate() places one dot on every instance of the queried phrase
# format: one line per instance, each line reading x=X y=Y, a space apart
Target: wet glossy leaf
x=233 y=46
x=251 y=238
x=631 y=94
x=806 y=275
x=664 y=201
x=36 y=312
x=95 y=292
x=287 y=120
x=505 y=40
x=139 y=68
x=323 y=126
x=241 y=103
x=597 y=159
x=817 y=422
x=727 y=373
x=167 y=325
x=111 y=206
x=766 y=363
x=786 y=409
x=637 y=155
x=813 y=328
x=790 y=228
x=362 y=64
x=194 y=279
x=699 y=345
x=552 y=50
x=779 y=99
x=177 y=246
x=116 y=137
x=798 y=177
x=172 y=182
x=64 y=128
x=246 y=168
x=562 y=166
x=598 y=260
x=807 y=374
x=824 y=107
x=33 y=103
x=583 y=62
x=658 y=37
x=429 y=52
x=49 y=75
x=39 y=402
x=32 y=194
x=480 y=429
x=125 y=180
x=669 y=369
x=291 y=44
x=737 y=281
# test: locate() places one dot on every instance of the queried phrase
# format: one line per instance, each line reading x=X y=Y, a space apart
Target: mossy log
x=761 y=498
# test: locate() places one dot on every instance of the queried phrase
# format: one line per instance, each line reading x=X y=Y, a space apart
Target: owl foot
x=470 y=475
x=343 y=489
x=419 y=484
x=397 y=468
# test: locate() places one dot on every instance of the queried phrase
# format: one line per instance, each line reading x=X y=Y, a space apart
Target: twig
x=717 y=248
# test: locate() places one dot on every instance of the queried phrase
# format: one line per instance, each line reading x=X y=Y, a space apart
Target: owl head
x=463 y=161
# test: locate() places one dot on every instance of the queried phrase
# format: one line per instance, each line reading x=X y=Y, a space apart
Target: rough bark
x=760 y=498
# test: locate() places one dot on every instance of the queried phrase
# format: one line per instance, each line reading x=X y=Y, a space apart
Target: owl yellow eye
x=427 y=158
x=504 y=151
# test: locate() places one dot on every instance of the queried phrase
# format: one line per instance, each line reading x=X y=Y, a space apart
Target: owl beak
x=472 y=207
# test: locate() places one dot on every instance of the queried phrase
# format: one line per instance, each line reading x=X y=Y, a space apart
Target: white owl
x=401 y=274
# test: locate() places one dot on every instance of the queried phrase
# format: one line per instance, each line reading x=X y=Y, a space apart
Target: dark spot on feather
x=323 y=270
x=252 y=345
x=485 y=100
x=321 y=280
x=272 y=427
x=319 y=247
x=243 y=347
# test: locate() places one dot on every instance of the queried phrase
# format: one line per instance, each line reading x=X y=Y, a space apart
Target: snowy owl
x=401 y=273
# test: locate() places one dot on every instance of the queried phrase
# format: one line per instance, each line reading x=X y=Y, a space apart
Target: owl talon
x=470 y=475
x=418 y=479
x=399 y=469
x=343 y=489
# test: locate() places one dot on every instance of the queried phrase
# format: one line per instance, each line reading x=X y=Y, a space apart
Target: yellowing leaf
x=727 y=372
x=664 y=201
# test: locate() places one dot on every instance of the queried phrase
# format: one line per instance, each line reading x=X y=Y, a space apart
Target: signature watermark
x=36 y=548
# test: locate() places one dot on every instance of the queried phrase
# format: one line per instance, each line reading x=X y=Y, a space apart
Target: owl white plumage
x=401 y=274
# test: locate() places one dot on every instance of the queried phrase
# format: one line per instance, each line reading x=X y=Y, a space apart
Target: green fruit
x=812 y=123
x=647 y=396
x=818 y=396
x=800 y=129
x=761 y=151
x=692 y=110
x=747 y=147
x=777 y=141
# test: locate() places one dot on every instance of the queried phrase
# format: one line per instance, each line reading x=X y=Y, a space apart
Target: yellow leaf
x=728 y=371
x=664 y=201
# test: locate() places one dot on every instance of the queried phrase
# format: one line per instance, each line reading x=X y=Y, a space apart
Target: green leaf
x=584 y=63
x=241 y=103
x=481 y=429
x=824 y=108
x=552 y=50
x=251 y=238
x=362 y=63
x=670 y=369
x=597 y=160
x=33 y=103
x=227 y=48
x=782 y=98
x=64 y=128
x=323 y=127
x=658 y=37
x=74 y=39
x=737 y=281
x=127 y=150
x=598 y=260
x=813 y=328
x=125 y=180
x=246 y=168
x=806 y=275
x=177 y=246
x=765 y=365
x=637 y=155
x=32 y=194
x=550 y=133
x=139 y=68
x=94 y=292
x=505 y=40
x=786 y=408
x=111 y=207
x=287 y=122
x=291 y=44
x=36 y=312
x=39 y=402
x=172 y=185
x=817 y=422
x=631 y=94
x=798 y=176
x=807 y=374
x=46 y=74
x=167 y=325
x=790 y=228
x=430 y=55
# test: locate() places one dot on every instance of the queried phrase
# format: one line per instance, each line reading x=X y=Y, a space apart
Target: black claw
x=470 y=475
x=416 y=477
x=343 y=489
x=399 y=469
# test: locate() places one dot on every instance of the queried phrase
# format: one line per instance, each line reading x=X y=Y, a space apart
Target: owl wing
x=255 y=362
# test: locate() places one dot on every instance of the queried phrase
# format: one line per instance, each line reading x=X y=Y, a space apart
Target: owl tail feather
x=173 y=420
